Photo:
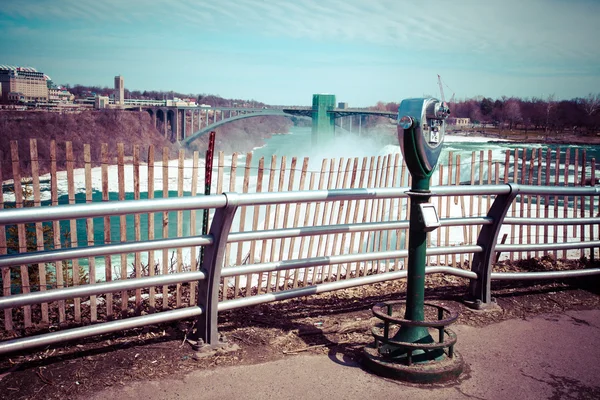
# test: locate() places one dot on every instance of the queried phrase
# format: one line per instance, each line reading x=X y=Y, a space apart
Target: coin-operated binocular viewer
x=404 y=347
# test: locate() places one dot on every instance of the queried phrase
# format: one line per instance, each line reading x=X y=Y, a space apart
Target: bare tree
x=551 y=103
x=591 y=103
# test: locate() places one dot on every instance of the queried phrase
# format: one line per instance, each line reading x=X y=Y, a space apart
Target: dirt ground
x=339 y=321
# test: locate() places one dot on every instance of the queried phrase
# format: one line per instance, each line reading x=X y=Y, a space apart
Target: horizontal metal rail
x=48 y=296
x=253 y=199
x=337 y=285
x=550 y=221
x=340 y=259
x=546 y=246
x=526 y=276
x=557 y=190
x=114 y=208
x=109 y=208
x=46 y=339
x=344 y=228
x=37 y=257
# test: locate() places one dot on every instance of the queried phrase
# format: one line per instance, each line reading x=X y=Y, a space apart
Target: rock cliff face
x=113 y=127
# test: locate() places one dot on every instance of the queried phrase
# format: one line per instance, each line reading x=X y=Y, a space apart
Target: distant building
x=459 y=121
x=119 y=90
x=26 y=84
x=343 y=105
x=101 y=102
x=60 y=95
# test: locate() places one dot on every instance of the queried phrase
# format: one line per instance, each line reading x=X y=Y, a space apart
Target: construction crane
x=442 y=90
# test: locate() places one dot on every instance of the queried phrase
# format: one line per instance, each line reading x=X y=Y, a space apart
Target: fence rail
x=338 y=226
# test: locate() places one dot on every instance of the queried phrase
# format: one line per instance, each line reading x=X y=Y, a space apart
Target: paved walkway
x=547 y=357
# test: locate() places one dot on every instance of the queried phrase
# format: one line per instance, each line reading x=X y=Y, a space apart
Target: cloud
x=512 y=29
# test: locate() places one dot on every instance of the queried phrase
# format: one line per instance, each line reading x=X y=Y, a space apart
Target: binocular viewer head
x=421 y=130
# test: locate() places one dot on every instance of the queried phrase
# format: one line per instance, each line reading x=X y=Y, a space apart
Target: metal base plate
x=205 y=351
x=441 y=371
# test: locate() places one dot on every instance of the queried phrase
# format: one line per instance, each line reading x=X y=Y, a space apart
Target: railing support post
x=480 y=296
x=205 y=333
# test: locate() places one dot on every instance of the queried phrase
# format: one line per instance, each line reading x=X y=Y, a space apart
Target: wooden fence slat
x=566 y=198
x=363 y=267
x=461 y=200
x=326 y=205
x=58 y=265
x=575 y=183
x=473 y=229
x=514 y=203
x=180 y=169
x=6 y=278
x=165 y=225
x=284 y=223
x=137 y=231
x=582 y=198
x=538 y=200
x=524 y=164
x=106 y=223
x=383 y=206
x=555 y=206
x=307 y=214
x=39 y=230
x=529 y=199
x=343 y=206
x=89 y=223
x=193 y=229
x=282 y=168
x=151 y=236
x=122 y=223
x=406 y=201
x=328 y=214
x=446 y=213
x=357 y=207
x=263 y=255
x=547 y=198
x=489 y=178
x=334 y=215
x=21 y=232
x=391 y=209
x=255 y=216
x=592 y=202
x=462 y=203
x=297 y=209
x=242 y=225
x=439 y=207
x=347 y=219
x=316 y=219
x=373 y=214
x=73 y=227
x=232 y=179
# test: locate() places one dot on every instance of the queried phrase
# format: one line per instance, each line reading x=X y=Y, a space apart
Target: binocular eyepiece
x=421 y=130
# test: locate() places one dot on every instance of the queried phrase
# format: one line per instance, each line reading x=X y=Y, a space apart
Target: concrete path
x=548 y=357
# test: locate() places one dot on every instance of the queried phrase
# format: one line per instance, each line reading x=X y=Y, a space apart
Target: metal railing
x=211 y=271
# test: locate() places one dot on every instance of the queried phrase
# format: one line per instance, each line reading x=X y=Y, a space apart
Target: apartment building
x=23 y=83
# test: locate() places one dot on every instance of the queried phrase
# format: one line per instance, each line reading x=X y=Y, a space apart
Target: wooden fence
x=131 y=178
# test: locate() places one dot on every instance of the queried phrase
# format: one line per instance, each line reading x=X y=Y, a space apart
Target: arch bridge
x=173 y=121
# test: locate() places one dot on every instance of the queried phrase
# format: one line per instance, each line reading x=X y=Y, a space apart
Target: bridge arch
x=213 y=126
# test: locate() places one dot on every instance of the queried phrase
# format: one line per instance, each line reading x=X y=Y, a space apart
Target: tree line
x=579 y=115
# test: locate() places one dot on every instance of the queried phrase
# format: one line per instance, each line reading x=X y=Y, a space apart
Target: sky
x=283 y=51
